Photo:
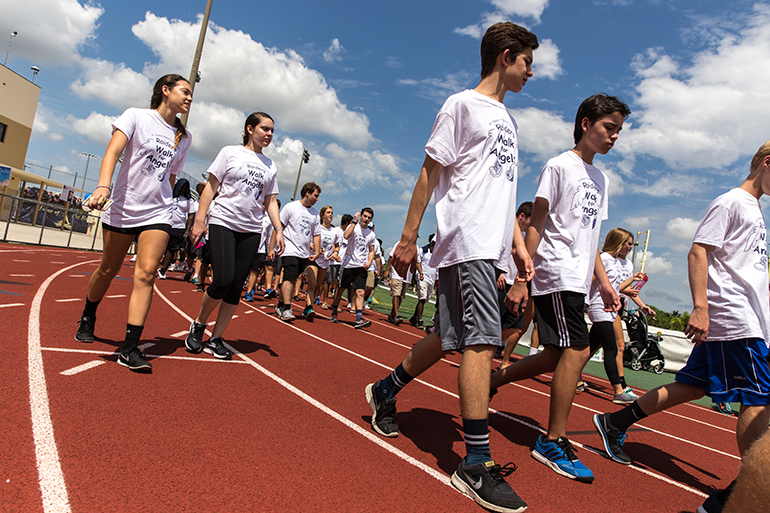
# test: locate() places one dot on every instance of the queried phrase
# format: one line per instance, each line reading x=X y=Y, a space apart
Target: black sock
x=133 y=334
x=623 y=382
x=90 y=308
x=627 y=417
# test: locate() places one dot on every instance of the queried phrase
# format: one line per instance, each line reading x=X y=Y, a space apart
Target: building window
x=3 y=126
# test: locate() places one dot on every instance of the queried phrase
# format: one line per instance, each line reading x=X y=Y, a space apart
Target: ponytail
x=157 y=98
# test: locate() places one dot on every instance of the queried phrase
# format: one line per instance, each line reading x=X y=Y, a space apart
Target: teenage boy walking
x=730 y=323
x=563 y=237
x=472 y=163
x=301 y=227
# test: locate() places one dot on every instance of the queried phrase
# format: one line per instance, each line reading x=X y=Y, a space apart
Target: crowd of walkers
x=497 y=272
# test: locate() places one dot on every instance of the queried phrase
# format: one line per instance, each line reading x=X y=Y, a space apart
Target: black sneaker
x=194 y=341
x=611 y=438
x=135 y=361
x=363 y=323
x=383 y=411
x=200 y=288
x=419 y=324
x=333 y=318
x=187 y=276
x=716 y=500
x=484 y=483
x=413 y=321
x=85 y=331
x=216 y=348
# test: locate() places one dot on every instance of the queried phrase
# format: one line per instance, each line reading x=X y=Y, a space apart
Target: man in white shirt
x=729 y=324
x=426 y=274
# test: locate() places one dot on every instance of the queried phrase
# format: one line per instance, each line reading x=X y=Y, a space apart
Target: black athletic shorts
x=354 y=277
x=560 y=319
x=507 y=319
x=136 y=230
x=293 y=267
x=259 y=262
x=176 y=241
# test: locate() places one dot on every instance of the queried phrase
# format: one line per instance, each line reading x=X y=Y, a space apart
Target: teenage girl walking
x=154 y=143
x=246 y=182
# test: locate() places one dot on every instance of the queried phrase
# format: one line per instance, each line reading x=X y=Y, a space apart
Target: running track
x=284 y=426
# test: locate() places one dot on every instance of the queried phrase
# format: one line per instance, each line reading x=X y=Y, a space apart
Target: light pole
x=13 y=34
x=35 y=71
x=195 y=76
x=305 y=159
x=88 y=159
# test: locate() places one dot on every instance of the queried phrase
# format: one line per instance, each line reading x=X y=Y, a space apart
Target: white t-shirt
x=429 y=273
x=142 y=193
x=328 y=239
x=476 y=140
x=300 y=225
x=357 y=252
x=738 y=299
x=245 y=178
x=180 y=209
x=577 y=204
x=616 y=269
x=343 y=242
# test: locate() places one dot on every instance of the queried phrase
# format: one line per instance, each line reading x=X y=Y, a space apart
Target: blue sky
x=359 y=84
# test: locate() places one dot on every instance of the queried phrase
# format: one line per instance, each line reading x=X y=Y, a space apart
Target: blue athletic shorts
x=735 y=371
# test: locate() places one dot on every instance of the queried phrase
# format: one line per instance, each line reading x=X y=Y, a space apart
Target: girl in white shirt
x=329 y=244
x=154 y=143
x=245 y=180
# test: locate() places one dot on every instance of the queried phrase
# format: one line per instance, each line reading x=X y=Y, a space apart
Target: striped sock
x=395 y=381
x=476 y=434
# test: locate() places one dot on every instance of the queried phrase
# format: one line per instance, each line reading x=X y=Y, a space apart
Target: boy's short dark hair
x=504 y=36
x=310 y=187
x=595 y=107
x=346 y=218
x=525 y=208
x=367 y=209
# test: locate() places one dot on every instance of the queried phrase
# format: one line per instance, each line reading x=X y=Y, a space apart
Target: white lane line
x=21 y=275
x=69 y=300
x=79 y=276
x=81 y=368
x=21 y=260
x=59 y=263
x=116 y=295
x=174 y=291
x=154 y=356
x=11 y=304
x=143 y=347
x=439 y=476
x=179 y=333
x=50 y=476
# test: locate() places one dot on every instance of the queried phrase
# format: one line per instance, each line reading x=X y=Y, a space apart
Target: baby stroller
x=643 y=350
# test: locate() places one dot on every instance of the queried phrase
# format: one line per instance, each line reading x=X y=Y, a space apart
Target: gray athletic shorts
x=467 y=312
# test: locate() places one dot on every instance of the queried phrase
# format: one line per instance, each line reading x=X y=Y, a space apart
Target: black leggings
x=232 y=254
x=603 y=334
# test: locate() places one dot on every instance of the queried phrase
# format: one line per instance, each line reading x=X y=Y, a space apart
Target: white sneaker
x=287 y=316
x=161 y=275
x=133 y=258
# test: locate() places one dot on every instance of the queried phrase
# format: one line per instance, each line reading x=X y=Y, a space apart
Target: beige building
x=18 y=104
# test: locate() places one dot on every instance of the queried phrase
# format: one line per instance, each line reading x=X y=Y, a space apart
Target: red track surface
x=285 y=425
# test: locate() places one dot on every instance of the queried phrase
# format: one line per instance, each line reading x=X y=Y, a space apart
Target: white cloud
x=525 y=8
x=213 y=126
x=440 y=88
x=51 y=32
x=682 y=228
x=546 y=62
x=616 y=184
x=96 y=127
x=671 y=185
x=45 y=124
x=542 y=132
x=238 y=73
x=334 y=52
x=711 y=112
x=636 y=223
x=654 y=265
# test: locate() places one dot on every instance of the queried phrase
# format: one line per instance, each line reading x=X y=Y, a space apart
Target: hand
x=649 y=312
x=198 y=230
x=98 y=198
x=697 y=327
x=501 y=282
x=639 y=276
x=280 y=242
x=313 y=257
x=524 y=264
x=404 y=257
x=356 y=216
x=516 y=298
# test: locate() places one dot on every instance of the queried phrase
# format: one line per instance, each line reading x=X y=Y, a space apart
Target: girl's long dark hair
x=157 y=99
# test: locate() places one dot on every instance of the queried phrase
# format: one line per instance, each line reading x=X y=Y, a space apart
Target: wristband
x=105 y=186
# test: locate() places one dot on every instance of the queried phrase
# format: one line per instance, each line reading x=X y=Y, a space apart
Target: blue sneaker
x=560 y=457
x=317 y=301
x=249 y=297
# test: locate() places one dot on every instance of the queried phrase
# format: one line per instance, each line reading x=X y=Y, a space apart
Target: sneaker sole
x=468 y=490
x=370 y=399
x=189 y=348
x=623 y=401
x=310 y=316
x=553 y=466
x=147 y=367
x=366 y=324
x=605 y=442
x=215 y=355
x=85 y=340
